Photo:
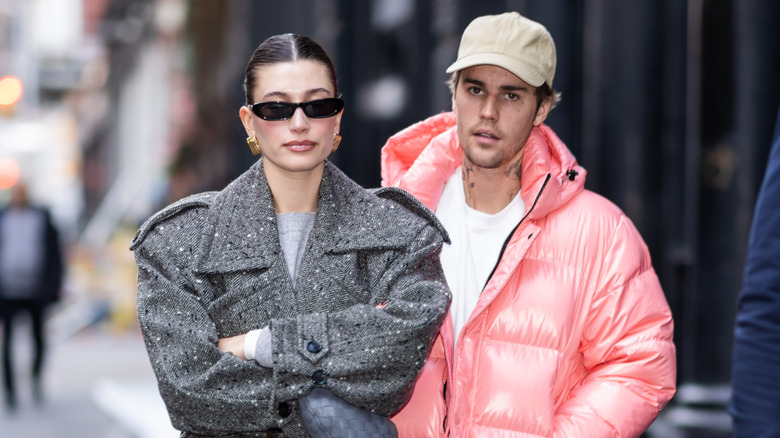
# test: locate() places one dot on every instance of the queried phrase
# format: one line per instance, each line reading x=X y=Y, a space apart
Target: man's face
x=496 y=111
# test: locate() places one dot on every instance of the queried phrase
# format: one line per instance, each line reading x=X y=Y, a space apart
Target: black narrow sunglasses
x=315 y=109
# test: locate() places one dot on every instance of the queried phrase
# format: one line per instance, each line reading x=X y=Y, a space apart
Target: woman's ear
x=246 y=115
x=338 y=120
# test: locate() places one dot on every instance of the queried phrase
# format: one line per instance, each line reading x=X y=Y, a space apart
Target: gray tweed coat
x=211 y=266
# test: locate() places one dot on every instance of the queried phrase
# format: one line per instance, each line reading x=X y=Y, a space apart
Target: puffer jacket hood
x=426 y=154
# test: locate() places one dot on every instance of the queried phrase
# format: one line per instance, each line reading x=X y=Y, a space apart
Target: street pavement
x=97 y=384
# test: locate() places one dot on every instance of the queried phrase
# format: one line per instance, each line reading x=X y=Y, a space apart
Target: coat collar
x=241 y=229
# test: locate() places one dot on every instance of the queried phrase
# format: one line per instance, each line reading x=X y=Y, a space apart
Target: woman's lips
x=300 y=146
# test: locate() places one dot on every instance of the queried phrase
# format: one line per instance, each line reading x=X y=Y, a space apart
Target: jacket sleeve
x=755 y=397
x=207 y=392
x=627 y=347
x=370 y=355
x=55 y=266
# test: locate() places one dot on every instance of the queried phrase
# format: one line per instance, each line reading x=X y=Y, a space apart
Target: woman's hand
x=233 y=345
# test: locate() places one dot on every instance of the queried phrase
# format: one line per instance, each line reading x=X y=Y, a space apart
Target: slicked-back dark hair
x=287 y=47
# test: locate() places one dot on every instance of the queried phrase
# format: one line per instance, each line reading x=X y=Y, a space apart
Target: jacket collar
x=241 y=229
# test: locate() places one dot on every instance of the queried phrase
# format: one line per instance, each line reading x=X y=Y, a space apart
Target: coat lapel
x=351 y=218
x=241 y=233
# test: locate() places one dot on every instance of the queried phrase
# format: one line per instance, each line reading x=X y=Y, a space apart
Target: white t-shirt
x=477 y=239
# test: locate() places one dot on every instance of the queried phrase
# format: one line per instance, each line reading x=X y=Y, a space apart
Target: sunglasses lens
x=274 y=110
x=318 y=109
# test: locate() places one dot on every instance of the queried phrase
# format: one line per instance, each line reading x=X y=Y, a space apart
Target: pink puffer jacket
x=572 y=335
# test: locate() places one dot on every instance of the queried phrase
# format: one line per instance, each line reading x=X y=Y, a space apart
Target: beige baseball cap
x=510 y=41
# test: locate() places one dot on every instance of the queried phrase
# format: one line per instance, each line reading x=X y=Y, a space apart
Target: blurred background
x=111 y=109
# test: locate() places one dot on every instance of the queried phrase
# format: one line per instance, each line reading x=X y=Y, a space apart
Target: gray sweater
x=294 y=229
x=211 y=266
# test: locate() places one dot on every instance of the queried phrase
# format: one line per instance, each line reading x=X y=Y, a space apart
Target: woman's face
x=300 y=143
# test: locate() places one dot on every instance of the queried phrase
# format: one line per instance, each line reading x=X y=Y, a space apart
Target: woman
x=293 y=279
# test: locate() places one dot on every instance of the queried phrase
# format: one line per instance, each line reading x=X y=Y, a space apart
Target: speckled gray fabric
x=210 y=266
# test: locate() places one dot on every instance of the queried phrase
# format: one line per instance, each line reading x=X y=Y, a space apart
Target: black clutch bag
x=327 y=416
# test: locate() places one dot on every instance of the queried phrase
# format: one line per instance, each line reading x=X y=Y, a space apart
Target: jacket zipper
x=444 y=396
x=500 y=255
x=509 y=237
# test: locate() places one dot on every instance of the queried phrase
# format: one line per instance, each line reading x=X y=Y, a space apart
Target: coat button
x=283 y=409
x=319 y=377
x=313 y=347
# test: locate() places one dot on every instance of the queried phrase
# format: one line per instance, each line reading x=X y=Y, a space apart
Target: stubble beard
x=482 y=160
x=493 y=158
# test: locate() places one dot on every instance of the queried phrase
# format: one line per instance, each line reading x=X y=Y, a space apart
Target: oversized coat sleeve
x=755 y=399
x=207 y=392
x=626 y=345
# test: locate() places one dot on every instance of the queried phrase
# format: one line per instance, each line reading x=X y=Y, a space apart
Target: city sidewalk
x=97 y=384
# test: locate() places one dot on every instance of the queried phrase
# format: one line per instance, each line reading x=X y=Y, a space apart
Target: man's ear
x=543 y=111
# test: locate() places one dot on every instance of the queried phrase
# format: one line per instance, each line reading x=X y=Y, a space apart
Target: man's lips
x=485 y=135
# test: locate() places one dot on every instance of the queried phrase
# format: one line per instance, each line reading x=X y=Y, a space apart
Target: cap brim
x=519 y=68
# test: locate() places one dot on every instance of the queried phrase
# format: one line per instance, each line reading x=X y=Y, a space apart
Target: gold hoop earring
x=254 y=145
x=336 y=141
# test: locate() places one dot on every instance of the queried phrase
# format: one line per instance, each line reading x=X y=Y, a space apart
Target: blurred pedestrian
x=31 y=273
x=558 y=324
x=293 y=302
x=755 y=398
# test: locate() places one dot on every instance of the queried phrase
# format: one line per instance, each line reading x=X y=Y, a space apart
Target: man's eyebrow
x=474 y=82
x=513 y=88
x=481 y=84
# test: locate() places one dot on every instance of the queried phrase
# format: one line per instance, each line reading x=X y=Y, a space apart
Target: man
x=755 y=397
x=31 y=270
x=558 y=324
